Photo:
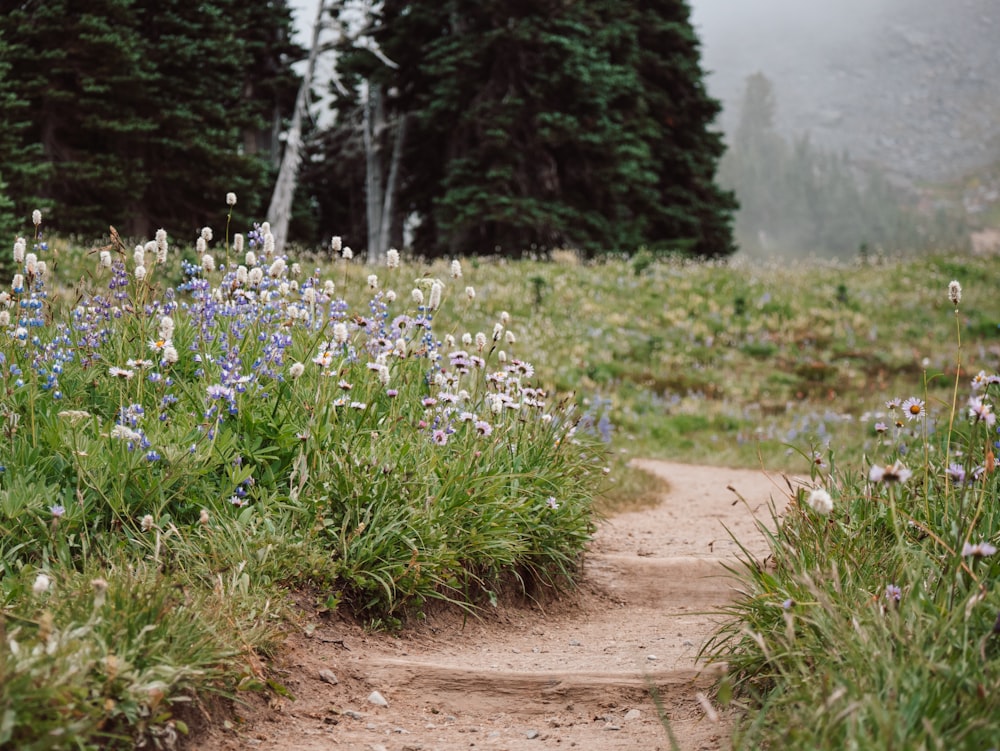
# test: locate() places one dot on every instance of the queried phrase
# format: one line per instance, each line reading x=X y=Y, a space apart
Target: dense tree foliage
x=530 y=125
x=493 y=125
x=796 y=198
x=142 y=113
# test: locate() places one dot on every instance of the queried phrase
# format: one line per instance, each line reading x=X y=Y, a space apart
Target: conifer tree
x=539 y=124
x=144 y=114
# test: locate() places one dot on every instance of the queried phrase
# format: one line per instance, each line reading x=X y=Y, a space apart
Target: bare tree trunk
x=279 y=212
x=373 y=125
x=388 y=204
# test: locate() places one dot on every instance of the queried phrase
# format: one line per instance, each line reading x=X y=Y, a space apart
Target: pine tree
x=534 y=125
x=146 y=113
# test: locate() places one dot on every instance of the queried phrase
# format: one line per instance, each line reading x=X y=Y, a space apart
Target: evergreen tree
x=538 y=124
x=141 y=110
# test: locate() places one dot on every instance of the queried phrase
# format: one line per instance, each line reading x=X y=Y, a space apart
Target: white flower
x=335 y=244
x=417 y=296
x=373 y=282
x=296 y=370
x=203 y=517
x=470 y=292
x=140 y=273
x=166 y=327
x=340 y=334
x=36 y=217
x=511 y=339
x=435 y=299
x=139 y=256
x=206 y=234
x=348 y=254
x=41 y=585
x=125 y=433
x=890 y=473
x=161 y=245
x=20 y=246
x=238 y=241
x=105 y=259
x=390 y=296
x=277 y=268
x=256 y=275
x=504 y=317
x=820 y=501
x=230 y=199
x=208 y=263
x=955 y=292
x=480 y=341
x=456 y=269
x=497 y=331
x=147 y=522
x=392 y=258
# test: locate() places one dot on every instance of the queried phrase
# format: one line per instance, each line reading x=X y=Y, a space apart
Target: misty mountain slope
x=913 y=85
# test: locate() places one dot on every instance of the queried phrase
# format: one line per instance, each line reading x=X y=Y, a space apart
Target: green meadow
x=194 y=428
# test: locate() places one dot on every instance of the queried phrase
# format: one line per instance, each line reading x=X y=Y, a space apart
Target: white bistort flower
x=820 y=501
x=435 y=299
x=955 y=292
x=42 y=584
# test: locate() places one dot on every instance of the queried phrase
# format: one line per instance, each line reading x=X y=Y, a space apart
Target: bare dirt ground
x=578 y=672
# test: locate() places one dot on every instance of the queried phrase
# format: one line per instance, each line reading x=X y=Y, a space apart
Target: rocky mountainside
x=912 y=85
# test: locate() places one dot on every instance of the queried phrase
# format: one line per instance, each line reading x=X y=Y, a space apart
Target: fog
x=911 y=87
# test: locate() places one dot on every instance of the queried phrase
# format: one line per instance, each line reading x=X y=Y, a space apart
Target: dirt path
x=573 y=674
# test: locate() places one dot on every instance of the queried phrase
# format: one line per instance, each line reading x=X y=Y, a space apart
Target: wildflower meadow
x=196 y=429
x=874 y=622
x=189 y=434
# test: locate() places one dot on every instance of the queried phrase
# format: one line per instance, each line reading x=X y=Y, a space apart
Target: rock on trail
x=580 y=672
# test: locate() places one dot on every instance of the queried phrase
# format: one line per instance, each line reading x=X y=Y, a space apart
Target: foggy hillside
x=913 y=85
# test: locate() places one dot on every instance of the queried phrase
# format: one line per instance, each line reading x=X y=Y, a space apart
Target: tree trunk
x=388 y=204
x=279 y=212
x=373 y=125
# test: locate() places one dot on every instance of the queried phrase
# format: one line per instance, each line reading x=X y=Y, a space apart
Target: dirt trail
x=575 y=673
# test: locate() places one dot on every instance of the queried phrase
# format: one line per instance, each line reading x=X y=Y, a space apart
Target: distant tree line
x=484 y=126
x=798 y=199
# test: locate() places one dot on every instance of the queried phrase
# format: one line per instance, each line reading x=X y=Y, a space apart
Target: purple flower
x=57 y=511
x=979 y=550
x=218 y=391
x=956 y=473
x=439 y=437
x=893 y=593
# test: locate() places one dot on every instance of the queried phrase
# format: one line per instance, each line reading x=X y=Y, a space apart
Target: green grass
x=222 y=503
x=874 y=625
